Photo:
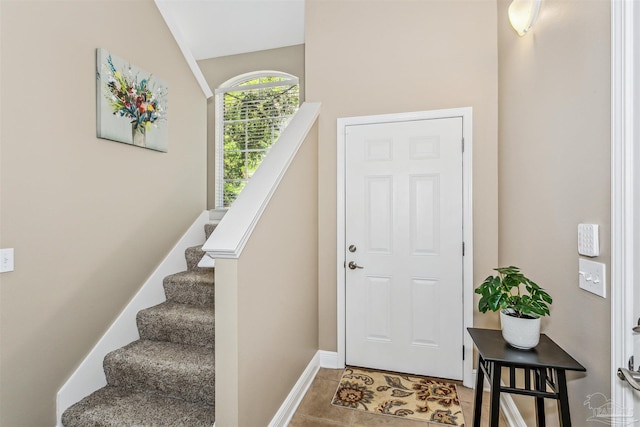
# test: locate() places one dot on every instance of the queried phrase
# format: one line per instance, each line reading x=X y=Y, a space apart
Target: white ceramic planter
x=520 y=332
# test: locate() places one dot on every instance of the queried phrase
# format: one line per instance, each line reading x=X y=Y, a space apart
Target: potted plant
x=520 y=312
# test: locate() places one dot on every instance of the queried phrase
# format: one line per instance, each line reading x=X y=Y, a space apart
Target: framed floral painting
x=131 y=104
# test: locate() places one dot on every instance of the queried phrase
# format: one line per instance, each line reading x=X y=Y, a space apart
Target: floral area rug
x=411 y=397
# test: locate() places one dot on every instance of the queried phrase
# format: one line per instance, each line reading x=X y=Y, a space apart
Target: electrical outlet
x=6 y=260
x=592 y=277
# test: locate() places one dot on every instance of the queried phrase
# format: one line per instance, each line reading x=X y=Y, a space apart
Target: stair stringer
x=89 y=376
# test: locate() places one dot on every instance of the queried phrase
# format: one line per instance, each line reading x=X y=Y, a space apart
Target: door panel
x=379 y=214
x=424 y=213
x=378 y=299
x=404 y=216
x=425 y=327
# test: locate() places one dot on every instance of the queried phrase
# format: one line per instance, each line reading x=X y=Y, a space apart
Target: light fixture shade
x=523 y=14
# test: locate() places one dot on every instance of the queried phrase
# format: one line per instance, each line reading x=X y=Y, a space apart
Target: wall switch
x=588 y=244
x=6 y=260
x=592 y=277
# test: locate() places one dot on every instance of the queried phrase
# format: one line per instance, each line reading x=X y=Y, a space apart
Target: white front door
x=404 y=250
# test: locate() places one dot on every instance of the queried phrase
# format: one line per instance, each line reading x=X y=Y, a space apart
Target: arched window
x=251 y=112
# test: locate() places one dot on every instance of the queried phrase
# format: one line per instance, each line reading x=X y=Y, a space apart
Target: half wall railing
x=235 y=228
x=266 y=281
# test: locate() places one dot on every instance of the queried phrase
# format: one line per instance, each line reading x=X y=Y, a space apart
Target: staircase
x=166 y=378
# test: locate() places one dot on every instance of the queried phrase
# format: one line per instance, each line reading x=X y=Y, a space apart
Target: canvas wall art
x=131 y=104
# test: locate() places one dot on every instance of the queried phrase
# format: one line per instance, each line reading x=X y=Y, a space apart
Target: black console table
x=547 y=363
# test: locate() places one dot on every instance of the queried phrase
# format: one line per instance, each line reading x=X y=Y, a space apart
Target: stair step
x=190 y=287
x=178 y=323
x=176 y=370
x=208 y=229
x=117 y=407
x=193 y=255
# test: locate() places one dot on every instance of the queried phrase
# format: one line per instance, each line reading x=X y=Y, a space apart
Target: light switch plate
x=6 y=260
x=588 y=244
x=592 y=277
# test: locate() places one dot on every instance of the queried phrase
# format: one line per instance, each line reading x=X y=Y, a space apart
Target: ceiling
x=214 y=28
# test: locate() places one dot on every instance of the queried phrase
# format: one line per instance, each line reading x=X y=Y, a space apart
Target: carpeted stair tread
x=208 y=229
x=178 y=323
x=193 y=255
x=190 y=287
x=167 y=378
x=119 y=407
x=176 y=370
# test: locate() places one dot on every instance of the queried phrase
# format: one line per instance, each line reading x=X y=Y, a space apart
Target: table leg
x=477 y=405
x=563 y=399
x=541 y=385
x=494 y=413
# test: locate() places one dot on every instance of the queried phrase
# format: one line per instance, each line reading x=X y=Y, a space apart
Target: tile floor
x=316 y=409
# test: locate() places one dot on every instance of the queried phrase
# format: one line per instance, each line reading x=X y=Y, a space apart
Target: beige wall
x=218 y=70
x=89 y=219
x=273 y=302
x=555 y=173
x=401 y=56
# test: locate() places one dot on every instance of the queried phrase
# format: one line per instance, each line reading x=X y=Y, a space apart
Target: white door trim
x=466 y=115
x=623 y=166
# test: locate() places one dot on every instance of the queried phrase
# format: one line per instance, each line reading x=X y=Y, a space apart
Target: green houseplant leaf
x=504 y=292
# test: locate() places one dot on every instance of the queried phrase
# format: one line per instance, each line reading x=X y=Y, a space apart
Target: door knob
x=636 y=328
x=352 y=265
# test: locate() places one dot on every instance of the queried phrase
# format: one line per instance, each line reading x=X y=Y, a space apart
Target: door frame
x=624 y=129
x=467 y=222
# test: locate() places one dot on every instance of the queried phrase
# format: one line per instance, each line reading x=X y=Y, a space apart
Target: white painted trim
x=184 y=48
x=236 y=226
x=207 y=262
x=467 y=271
x=322 y=359
x=622 y=194
x=295 y=396
x=232 y=84
x=467 y=132
x=341 y=250
x=218 y=147
x=329 y=359
x=510 y=411
x=89 y=376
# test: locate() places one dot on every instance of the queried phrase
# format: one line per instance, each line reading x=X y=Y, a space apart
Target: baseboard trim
x=322 y=359
x=291 y=403
x=512 y=415
x=329 y=359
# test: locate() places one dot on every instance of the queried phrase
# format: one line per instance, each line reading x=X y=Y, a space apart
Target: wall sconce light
x=523 y=14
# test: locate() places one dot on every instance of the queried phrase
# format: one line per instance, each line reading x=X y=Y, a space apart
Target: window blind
x=252 y=114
